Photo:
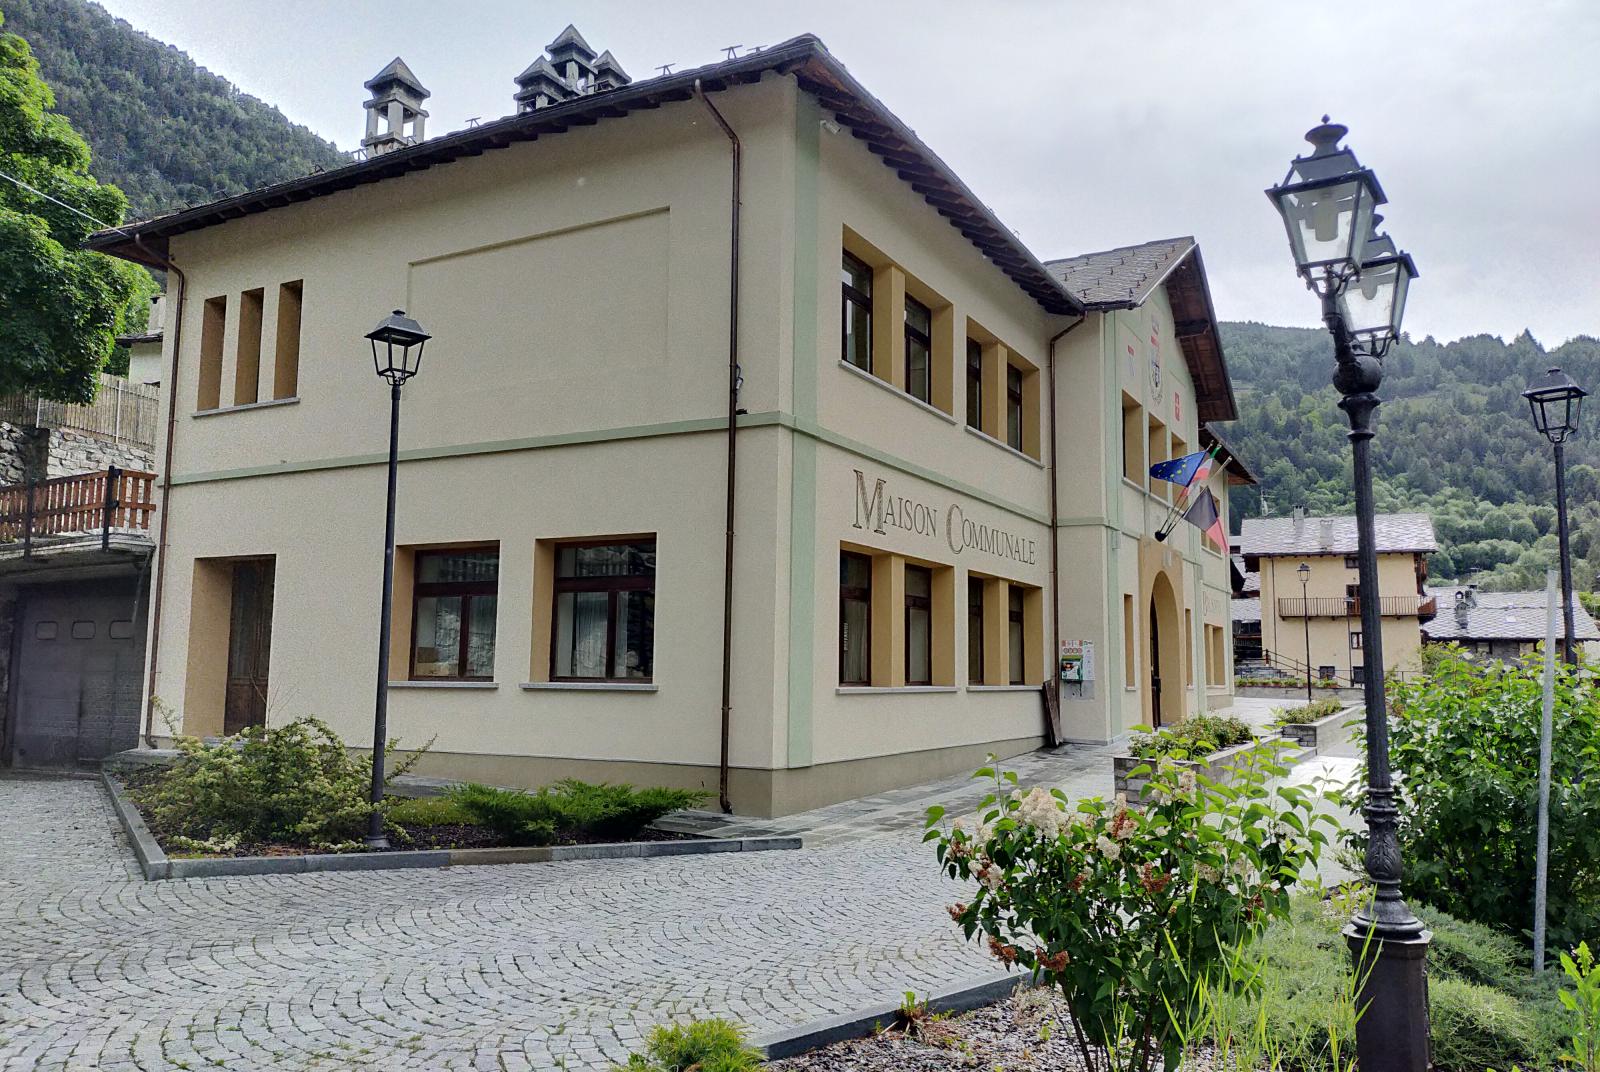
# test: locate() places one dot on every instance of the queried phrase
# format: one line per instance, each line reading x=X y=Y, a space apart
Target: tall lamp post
x=1555 y=401
x=1305 y=609
x=397 y=344
x=1327 y=201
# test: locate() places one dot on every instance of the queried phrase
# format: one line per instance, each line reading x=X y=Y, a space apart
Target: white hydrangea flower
x=1108 y=848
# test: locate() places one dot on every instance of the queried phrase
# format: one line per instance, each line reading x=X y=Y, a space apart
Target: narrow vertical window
x=605 y=611
x=919 y=344
x=1014 y=407
x=1355 y=641
x=1128 y=664
x=1132 y=441
x=1014 y=616
x=247 y=353
x=286 y=360
x=856 y=313
x=855 y=619
x=975 y=631
x=919 y=625
x=974 y=384
x=213 y=320
x=454 y=599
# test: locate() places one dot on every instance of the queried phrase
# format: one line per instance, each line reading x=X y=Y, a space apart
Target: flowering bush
x=1131 y=913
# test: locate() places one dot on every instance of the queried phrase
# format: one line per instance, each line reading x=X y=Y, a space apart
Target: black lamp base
x=1392 y=1001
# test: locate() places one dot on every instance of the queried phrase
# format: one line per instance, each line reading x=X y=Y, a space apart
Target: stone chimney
x=1466 y=600
x=395 y=117
x=1325 y=533
x=567 y=69
x=1298 y=514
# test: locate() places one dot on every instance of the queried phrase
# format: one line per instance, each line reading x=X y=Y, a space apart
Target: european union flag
x=1180 y=471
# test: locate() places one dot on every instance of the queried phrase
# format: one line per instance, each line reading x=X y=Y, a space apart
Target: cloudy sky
x=1087 y=125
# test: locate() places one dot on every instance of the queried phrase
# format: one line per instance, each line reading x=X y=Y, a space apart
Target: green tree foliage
x=167 y=132
x=60 y=307
x=1454 y=441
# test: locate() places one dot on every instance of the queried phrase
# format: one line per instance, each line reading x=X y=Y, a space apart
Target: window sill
x=268 y=404
x=892 y=389
x=444 y=684
x=1003 y=445
x=876 y=690
x=1003 y=688
x=589 y=686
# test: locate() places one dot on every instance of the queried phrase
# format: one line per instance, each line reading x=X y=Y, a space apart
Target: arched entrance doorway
x=1165 y=688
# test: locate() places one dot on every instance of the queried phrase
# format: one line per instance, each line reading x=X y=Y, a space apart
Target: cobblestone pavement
x=536 y=966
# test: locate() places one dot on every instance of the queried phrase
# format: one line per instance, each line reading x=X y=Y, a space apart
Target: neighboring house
x=1246 y=612
x=144 y=349
x=1501 y=625
x=921 y=402
x=1324 y=616
x=75 y=548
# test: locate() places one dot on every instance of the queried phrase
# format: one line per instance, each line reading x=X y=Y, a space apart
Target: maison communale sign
x=880 y=511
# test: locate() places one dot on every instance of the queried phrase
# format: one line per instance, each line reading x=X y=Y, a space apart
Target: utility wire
x=63 y=204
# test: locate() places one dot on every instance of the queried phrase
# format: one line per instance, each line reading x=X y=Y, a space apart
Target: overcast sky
x=1087 y=125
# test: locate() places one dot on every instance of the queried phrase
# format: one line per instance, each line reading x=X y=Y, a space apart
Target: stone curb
x=156 y=864
x=960 y=997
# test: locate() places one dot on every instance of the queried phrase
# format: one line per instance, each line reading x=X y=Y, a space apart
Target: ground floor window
x=1016 y=616
x=919 y=625
x=975 y=587
x=454 y=598
x=855 y=619
x=1355 y=640
x=605 y=611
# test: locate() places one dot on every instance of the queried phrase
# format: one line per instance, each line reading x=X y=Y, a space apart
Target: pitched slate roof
x=1396 y=533
x=1246 y=609
x=806 y=58
x=1501 y=616
x=1120 y=277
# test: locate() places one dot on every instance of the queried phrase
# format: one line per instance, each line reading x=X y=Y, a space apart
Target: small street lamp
x=1305 y=609
x=397 y=344
x=1555 y=401
x=1328 y=202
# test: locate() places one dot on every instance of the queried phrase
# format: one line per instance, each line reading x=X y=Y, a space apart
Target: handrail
x=104 y=502
x=1350 y=607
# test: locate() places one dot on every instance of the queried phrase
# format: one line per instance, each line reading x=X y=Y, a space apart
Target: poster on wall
x=1077 y=661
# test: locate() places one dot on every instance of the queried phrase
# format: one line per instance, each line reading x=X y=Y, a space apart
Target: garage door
x=76 y=685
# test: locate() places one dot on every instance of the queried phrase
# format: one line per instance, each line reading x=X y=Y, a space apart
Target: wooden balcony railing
x=1348 y=607
x=87 y=504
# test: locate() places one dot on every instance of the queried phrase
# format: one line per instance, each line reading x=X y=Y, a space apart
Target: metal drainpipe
x=733 y=439
x=1053 y=661
x=159 y=583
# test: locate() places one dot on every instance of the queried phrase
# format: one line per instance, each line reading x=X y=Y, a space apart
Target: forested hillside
x=167 y=132
x=1454 y=439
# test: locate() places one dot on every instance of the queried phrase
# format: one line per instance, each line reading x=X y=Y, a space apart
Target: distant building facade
x=1501 y=625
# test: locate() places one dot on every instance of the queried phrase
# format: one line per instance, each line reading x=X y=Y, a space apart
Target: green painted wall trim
x=803 y=449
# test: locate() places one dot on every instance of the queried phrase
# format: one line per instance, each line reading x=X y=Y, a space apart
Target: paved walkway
x=535 y=966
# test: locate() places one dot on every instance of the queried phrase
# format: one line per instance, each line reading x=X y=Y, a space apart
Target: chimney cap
x=570 y=40
x=607 y=62
x=397 y=73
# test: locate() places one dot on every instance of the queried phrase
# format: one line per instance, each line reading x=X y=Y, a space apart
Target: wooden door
x=1155 y=665
x=249 y=645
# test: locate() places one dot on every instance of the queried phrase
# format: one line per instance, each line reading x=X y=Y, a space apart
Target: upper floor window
x=453 y=607
x=919 y=625
x=605 y=611
x=1352 y=562
x=855 y=619
x=856 y=312
x=1014 y=407
x=919 y=345
x=974 y=384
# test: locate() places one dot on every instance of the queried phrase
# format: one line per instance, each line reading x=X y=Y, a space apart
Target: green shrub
x=295 y=784
x=1463 y=739
x=569 y=809
x=427 y=811
x=1293 y=716
x=1478 y=1027
x=1193 y=738
x=701 y=1046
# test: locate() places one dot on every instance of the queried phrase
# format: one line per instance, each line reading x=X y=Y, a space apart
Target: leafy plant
x=1463 y=737
x=569 y=809
x=701 y=1046
x=1193 y=738
x=295 y=783
x=1131 y=914
x=1305 y=713
x=1583 y=1002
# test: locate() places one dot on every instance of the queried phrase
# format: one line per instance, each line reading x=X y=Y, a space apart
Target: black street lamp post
x=1305 y=609
x=1327 y=201
x=1555 y=401
x=396 y=356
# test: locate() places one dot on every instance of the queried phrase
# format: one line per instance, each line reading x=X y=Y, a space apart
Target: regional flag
x=1185 y=470
x=1205 y=516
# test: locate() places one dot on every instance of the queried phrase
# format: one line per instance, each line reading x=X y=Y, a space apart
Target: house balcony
x=69 y=522
x=1411 y=606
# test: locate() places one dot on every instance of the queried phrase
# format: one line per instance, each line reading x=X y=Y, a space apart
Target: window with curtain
x=856 y=312
x=1014 y=407
x=453 y=605
x=975 y=630
x=974 y=384
x=855 y=619
x=1014 y=602
x=919 y=344
x=605 y=608
x=919 y=625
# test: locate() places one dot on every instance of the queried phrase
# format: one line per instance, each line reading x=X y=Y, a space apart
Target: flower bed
x=1316 y=724
x=1132 y=773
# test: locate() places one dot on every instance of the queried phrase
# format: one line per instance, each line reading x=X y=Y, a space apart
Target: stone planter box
x=156 y=864
x=1293 y=692
x=1325 y=731
x=1217 y=766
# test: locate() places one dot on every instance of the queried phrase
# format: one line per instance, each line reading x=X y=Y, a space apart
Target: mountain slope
x=167 y=132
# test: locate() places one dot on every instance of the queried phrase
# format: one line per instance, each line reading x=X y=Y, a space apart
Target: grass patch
x=428 y=811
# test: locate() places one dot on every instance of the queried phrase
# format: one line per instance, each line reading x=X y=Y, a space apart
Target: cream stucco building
x=1324 y=614
x=921 y=403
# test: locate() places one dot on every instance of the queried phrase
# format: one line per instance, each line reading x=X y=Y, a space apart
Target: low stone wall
x=1325 y=731
x=77 y=452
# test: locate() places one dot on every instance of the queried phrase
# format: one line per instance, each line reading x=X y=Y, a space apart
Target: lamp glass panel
x=1324 y=219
